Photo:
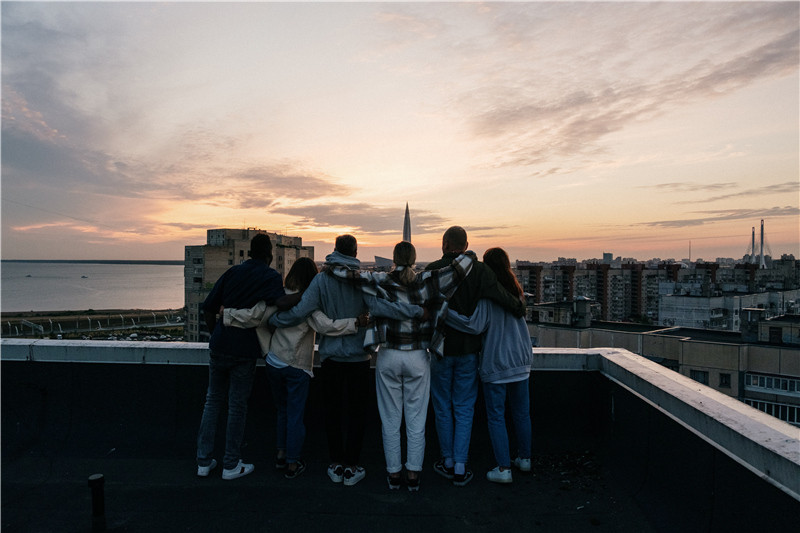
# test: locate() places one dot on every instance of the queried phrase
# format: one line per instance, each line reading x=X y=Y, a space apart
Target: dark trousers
x=346 y=397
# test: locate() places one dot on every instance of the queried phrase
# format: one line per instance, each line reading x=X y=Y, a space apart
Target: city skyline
x=551 y=129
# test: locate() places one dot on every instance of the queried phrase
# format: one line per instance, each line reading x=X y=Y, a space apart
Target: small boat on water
x=85 y=277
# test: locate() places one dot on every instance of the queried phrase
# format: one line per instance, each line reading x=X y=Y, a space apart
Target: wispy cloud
x=361 y=217
x=722 y=215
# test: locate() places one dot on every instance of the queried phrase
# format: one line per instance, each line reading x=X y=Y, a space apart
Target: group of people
x=435 y=334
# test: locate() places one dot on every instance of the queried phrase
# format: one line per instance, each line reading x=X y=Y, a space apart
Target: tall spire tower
x=407 y=226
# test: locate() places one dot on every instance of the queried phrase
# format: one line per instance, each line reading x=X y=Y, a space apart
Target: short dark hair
x=456 y=236
x=347 y=245
x=261 y=247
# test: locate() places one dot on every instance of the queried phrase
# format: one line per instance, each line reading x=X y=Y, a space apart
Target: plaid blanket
x=430 y=289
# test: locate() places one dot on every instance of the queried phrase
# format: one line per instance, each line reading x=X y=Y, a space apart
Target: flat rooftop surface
x=565 y=493
x=64 y=423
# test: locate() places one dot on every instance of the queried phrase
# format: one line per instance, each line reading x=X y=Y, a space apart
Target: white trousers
x=403 y=384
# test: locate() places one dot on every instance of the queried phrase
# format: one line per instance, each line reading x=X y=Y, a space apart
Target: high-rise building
x=407 y=226
x=204 y=264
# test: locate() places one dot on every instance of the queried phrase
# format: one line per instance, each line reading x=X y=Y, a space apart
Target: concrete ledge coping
x=761 y=443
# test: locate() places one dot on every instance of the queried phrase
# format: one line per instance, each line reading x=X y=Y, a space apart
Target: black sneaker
x=291 y=474
x=442 y=470
x=280 y=463
x=459 y=480
x=394 y=482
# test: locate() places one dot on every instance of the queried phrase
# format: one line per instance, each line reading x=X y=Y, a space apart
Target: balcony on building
x=621 y=443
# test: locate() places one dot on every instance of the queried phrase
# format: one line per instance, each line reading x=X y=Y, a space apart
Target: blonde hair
x=404 y=255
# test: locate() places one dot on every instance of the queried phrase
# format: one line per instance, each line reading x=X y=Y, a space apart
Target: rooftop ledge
x=760 y=443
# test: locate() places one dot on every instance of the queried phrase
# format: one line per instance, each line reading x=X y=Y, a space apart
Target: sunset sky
x=552 y=129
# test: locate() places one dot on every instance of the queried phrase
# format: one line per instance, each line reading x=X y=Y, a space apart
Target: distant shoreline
x=96 y=261
x=10 y=315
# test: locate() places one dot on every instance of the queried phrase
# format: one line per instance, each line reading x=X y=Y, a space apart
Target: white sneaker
x=336 y=473
x=499 y=476
x=242 y=469
x=204 y=471
x=353 y=475
x=523 y=464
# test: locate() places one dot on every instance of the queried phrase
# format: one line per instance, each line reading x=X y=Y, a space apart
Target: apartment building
x=701 y=295
x=204 y=264
x=760 y=367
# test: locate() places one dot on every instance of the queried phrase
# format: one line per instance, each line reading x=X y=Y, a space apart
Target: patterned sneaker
x=240 y=470
x=353 y=475
x=442 y=470
x=291 y=474
x=204 y=471
x=523 y=464
x=459 y=480
x=499 y=476
x=336 y=473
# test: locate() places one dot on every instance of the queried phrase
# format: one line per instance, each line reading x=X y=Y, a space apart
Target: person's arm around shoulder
x=325 y=325
x=244 y=318
x=475 y=324
x=380 y=307
x=492 y=290
x=307 y=305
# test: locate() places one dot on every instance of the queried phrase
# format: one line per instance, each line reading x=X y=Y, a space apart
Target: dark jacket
x=241 y=286
x=480 y=283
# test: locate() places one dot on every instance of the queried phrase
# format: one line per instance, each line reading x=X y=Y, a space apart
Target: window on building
x=701 y=376
x=725 y=381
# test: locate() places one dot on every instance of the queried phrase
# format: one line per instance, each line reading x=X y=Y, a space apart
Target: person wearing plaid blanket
x=402 y=368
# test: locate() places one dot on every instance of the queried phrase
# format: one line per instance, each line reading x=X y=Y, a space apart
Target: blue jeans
x=289 y=391
x=233 y=375
x=519 y=404
x=454 y=388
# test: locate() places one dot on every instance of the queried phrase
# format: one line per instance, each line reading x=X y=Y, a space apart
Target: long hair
x=404 y=255
x=300 y=275
x=497 y=260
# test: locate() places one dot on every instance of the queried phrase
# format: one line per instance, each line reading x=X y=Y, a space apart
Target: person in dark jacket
x=454 y=378
x=234 y=352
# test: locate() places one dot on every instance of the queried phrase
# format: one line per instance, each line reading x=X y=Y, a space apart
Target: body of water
x=40 y=287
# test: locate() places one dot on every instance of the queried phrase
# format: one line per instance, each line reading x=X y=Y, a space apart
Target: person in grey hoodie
x=345 y=371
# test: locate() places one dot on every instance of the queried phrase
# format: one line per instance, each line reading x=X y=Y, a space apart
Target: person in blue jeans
x=233 y=356
x=505 y=368
x=454 y=378
x=289 y=354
